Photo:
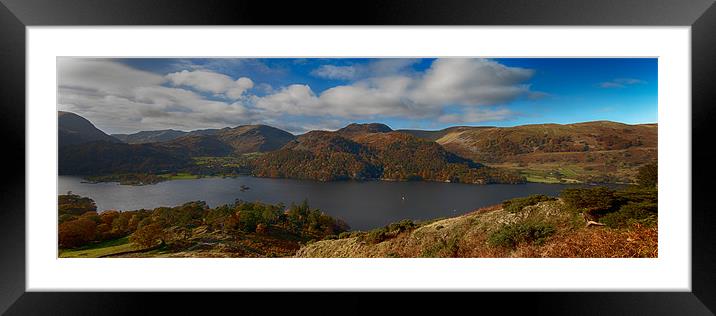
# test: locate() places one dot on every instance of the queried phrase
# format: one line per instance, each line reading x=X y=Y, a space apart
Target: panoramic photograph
x=357 y=157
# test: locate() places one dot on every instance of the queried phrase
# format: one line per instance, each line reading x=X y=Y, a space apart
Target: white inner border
x=671 y=271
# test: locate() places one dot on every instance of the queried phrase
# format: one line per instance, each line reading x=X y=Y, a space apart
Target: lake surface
x=363 y=205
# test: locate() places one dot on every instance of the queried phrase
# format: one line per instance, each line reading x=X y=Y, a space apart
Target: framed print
x=426 y=147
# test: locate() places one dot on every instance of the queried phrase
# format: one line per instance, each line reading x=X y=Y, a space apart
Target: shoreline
x=196 y=177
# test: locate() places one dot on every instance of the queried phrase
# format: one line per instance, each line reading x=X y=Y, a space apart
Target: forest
x=80 y=225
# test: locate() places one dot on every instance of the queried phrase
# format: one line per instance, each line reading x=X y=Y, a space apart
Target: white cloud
x=375 y=68
x=471 y=82
x=464 y=83
x=477 y=116
x=335 y=72
x=620 y=83
x=380 y=96
x=213 y=82
x=102 y=76
x=295 y=99
x=118 y=98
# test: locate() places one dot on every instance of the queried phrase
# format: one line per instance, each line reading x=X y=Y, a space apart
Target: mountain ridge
x=74 y=129
x=374 y=150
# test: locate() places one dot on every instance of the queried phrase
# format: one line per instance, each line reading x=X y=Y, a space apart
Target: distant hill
x=435 y=135
x=359 y=129
x=197 y=146
x=214 y=142
x=144 y=137
x=600 y=151
x=73 y=129
x=254 y=138
x=101 y=157
x=365 y=152
x=499 y=144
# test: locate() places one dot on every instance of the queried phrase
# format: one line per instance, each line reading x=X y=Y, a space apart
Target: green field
x=180 y=176
x=548 y=173
x=99 y=249
x=558 y=175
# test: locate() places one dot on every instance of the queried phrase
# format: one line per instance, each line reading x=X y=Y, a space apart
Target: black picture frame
x=15 y=15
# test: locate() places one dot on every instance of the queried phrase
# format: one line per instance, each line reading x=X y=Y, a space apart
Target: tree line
x=80 y=224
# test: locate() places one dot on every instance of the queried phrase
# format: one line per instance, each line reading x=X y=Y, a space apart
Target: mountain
x=86 y=150
x=197 y=146
x=498 y=144
x=150 y=136
x=359 y=129
x=254 y=138
x=73 y=129
x=215 y=142
x=435 y=135
x=599 y=151
x=102 y=157
x=371 y=151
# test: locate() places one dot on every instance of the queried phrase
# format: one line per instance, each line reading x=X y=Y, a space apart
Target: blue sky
x=128 y=95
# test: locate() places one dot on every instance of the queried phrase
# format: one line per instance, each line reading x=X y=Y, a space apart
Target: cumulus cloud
x=102 y=76
x=471 y=82
x=211 y=82
x=335 y=72
x=119 y=98
x=375 y=68
x=477 y=116
x=295 y=99
x=465 y=83
x=620 y=83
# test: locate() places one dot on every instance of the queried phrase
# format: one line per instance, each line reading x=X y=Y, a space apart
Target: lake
x=363 y=205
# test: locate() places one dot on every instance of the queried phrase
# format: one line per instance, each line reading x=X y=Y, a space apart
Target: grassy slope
x=466 y=236
x=462 y=236
x=180 y=176
x=606 y=160
x=99 y=249
x=202 y=242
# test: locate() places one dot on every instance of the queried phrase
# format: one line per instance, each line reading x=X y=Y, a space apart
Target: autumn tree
x=148 y=235
x=76 y=232
x=74 y=204
x=648 y=175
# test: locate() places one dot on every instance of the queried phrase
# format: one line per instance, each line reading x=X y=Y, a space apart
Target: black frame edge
x=369 y=12
x=12 y=99
x=703 y=244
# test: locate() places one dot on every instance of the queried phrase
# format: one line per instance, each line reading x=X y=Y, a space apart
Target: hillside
x=73 y=129
x=144 y=137
x=547 y=229
x=437 y=134
x=600 y=151
x=372 y=152
x=197 y=146
x=193 y=229
x=582 y=222
x=254 y=138
x=102 y=157
x=499 y=144
x=241 y=139
x=355 y=129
